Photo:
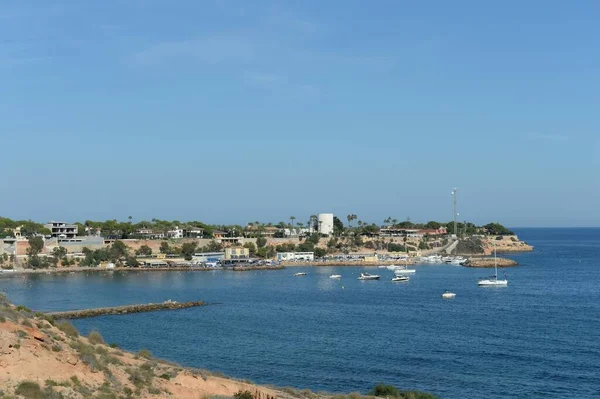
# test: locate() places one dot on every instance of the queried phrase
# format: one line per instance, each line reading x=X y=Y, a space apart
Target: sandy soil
x=31 y=349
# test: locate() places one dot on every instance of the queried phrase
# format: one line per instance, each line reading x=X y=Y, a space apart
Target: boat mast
x=495 y=262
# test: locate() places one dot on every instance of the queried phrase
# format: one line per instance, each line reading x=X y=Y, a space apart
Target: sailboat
x=493 y=280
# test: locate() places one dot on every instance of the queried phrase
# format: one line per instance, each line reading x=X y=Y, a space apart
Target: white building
x=325 y=223
x=175 y=233
x=62 y=229
x=282 y=256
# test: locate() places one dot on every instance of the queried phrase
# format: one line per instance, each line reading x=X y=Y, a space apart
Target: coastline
x=44 y=357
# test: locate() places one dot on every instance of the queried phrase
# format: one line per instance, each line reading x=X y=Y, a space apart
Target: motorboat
x=338 y=276
x=493 y=280
x=400 y=279
x=431 y=259
x=448 y=295
x=457 y=260
x=367 y=276
x=300 y=274
x=404 y=270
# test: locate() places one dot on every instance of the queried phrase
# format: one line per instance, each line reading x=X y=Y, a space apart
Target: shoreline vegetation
x=44 y=358
x=31 y=245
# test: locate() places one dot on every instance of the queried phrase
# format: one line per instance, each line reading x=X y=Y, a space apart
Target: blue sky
x=233 y=111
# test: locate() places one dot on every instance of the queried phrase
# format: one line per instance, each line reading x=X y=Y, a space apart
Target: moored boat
x=367 y=276
x=300 y=274
x=493 y=280
x=448 y=295
x=335 y=276
x=404 y=270
x=400 y=279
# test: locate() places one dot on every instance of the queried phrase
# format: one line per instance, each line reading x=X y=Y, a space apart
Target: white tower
x=325 y=223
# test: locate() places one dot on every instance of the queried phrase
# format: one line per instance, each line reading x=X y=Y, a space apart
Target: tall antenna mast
x=454 y=192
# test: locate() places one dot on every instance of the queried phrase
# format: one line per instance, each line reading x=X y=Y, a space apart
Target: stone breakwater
x=489 y=262
x=150 y=307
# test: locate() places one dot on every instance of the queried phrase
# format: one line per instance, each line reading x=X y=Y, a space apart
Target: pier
x=149 y=307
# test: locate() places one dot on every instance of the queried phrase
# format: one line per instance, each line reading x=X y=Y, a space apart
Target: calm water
x=538 y=337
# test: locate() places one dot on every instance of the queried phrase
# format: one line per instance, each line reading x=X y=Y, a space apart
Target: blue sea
x=537 y=338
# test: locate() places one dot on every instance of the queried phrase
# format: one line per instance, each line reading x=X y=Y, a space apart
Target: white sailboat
x=493 y=280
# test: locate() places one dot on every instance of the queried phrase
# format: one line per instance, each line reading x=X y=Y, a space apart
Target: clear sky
x=234 y=111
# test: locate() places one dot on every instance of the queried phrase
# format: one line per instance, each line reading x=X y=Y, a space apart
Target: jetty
x=489 y=262
x=149 y=307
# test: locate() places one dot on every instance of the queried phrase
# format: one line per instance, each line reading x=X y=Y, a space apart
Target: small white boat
x=335 y=276
x=448 y=295
x=404 y=270
x=493 y=280
x=367 y=276
x=400 y=279
x=383 y=267
x=300 y=274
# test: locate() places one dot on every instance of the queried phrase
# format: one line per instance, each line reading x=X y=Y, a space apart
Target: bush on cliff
x=391 y=391
x=95 y=338
x=29 y=390
x=67 y=328
x=243 y=395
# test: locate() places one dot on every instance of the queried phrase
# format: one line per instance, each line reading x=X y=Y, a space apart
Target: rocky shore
x=44 y=358
x=150 y=307
x=489 y=262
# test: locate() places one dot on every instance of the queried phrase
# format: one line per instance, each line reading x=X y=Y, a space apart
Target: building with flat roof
x=203 y=257
x=237 y=253
x=62 y=229
x=283 y=256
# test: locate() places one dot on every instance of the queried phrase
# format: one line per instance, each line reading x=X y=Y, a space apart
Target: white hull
x=300 y=274
x=493 y=283
x=400 y=279
x=448 y=295
x=335 y=276
x=404 y=271
x=366 y=276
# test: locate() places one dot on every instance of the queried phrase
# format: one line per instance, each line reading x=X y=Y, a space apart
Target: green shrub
x=56 y=348
x=2 y=319
x=140 y=377
x=52 y=383
x=49 y=319
x=29 y=390
x=27 y=323
x=22 y=308
x=21 y=333
x=243 y=395
x=67 y=328
x=393 y=392
x=95 y=338
x=114 y=345
x=87 y=354
x=145 y=353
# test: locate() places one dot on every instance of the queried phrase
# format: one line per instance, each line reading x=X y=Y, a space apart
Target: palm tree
x=312 y=224
x=292 y=218
x=350 y=218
